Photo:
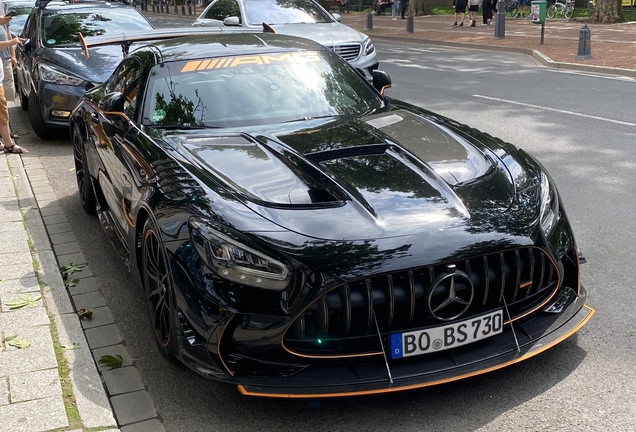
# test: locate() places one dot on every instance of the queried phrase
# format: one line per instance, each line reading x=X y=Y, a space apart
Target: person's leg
x=8 y=145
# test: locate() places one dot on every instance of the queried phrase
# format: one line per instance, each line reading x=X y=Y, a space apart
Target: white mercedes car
x=303 y=18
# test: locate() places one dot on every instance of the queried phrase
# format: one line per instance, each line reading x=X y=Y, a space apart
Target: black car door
x=25 y=53
x=125 y=167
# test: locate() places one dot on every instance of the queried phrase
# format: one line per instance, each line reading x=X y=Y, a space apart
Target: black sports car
x=300 y=234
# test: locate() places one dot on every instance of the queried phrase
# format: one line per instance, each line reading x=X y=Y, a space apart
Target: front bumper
x=55 y=99
x=534 y=335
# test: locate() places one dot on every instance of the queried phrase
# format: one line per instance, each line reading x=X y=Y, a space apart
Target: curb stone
x=54 y=244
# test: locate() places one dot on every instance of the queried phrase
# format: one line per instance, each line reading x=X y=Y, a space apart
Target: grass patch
x=70 y=405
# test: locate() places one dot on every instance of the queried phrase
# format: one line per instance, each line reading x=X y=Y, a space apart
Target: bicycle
x=566 y=9
x=512 y=7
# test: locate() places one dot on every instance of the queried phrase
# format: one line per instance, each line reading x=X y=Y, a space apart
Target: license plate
x=445 y=337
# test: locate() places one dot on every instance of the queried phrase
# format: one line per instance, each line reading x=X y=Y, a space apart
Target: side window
x=126 y=81
x=222 y=9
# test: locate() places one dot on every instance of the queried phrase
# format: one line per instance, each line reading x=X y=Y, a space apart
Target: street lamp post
x=500 y=21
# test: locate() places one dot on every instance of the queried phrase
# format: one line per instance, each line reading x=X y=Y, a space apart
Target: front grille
x=342 y=321
x=349 y=52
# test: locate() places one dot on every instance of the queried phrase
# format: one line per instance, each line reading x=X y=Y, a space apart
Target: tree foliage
x=607 y=12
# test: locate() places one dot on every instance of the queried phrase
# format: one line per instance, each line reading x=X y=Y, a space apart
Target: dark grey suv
x=53 y=72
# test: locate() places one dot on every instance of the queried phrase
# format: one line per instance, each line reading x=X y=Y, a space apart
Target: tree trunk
x=607 y=12
x=420 y=7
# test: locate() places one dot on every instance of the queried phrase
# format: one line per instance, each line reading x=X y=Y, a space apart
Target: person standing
x=460 y=9
x=8 y=146
x=7 y=55
x=405 y=4
x=486 y=8
x=521 y=12
x=473 y=8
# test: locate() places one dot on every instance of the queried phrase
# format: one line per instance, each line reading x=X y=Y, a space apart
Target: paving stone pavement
x=36 y=238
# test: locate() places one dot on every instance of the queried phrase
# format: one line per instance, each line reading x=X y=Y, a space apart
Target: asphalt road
x=582 y=128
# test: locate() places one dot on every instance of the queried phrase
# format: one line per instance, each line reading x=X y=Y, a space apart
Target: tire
x=22 y=99
x=551 y=12
x=568 y=12
x=511 y=10
x=37 y=119
x=157 y=282
x=83 y=177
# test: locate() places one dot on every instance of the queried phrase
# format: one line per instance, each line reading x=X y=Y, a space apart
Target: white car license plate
x=445 y=337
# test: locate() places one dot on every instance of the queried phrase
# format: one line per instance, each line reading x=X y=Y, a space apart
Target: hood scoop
x=452 y=157
x=255 y=171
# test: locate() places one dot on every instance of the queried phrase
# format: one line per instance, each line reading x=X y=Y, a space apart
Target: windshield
x=61 y=29
x=284 y=12
x=256 y=89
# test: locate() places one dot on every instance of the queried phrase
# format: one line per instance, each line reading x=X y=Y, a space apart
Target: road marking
x=556 y=110
x=592 y=75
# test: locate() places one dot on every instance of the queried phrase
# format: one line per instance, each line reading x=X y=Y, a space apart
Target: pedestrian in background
x=486 y=8
x=473 y=8
x=521 y=12
x=460 y=9
x=405 y=4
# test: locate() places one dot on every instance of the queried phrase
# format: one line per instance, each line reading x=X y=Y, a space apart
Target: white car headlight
x=549 y=206
x=50 y=74
x=367 y=46
x=237 y=262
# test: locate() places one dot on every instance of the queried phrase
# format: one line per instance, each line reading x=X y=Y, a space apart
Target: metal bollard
x=176 y=11
x=585 y=44
x=409 y=24
x=182 y=9
x=500 y=20
x=189 y=10
x=369 y=21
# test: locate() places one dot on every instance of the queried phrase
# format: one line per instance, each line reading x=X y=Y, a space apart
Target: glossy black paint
x=394 y=190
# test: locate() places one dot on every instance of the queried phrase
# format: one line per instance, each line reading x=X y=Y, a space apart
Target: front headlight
x=368 y=47
x=236 y=262
x=50 y=74
x=549 y=206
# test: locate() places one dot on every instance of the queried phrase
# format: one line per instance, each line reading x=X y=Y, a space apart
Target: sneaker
x=461 y=24
x=523 y=16
x=518 y=16
x=455 y=25
x=473 y=24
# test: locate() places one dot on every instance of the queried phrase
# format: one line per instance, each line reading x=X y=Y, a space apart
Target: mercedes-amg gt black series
x=300 y=234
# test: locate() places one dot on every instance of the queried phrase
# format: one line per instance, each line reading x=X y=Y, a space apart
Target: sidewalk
x=613 y=46
x=48 y=378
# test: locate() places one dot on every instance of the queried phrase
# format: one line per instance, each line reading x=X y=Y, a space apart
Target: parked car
x=300 y=234
x=304 y=18
x=52 y=71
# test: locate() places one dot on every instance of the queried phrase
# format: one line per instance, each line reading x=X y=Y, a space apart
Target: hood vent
x=256 y=171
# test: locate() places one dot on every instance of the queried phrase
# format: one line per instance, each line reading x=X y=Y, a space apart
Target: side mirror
x=381 y=81
x=232 y=21
x=112 y=103
x=337 y=17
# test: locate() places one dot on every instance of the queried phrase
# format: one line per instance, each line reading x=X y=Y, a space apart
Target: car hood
x=326 y=34
x=96 y=69
x=380 y=176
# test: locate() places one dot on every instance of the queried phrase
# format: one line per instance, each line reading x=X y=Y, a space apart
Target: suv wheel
x=37 y=119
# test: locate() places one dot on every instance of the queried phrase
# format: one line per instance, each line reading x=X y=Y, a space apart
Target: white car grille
x=349 y=52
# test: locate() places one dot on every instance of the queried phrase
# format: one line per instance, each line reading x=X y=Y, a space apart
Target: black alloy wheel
x=83 y=177
x=158 y=287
